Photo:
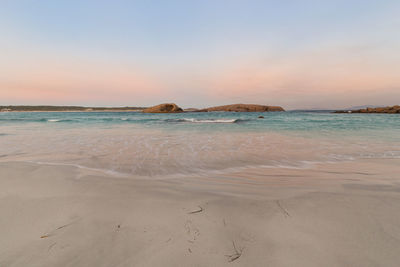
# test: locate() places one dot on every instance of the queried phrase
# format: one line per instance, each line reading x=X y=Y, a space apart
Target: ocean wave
x=192 y=120
x=57 y=120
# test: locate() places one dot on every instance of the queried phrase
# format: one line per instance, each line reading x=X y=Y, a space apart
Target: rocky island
x=243 y=108
x=391 y=110
x=164 y=108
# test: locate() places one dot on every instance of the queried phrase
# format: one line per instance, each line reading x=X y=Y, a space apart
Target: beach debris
x=189 y=250
x=65 y=225
x=236 y=255
x=192 y=231
x=200 y=209
x=58 y=228
x=261 y=117
x=282 y=208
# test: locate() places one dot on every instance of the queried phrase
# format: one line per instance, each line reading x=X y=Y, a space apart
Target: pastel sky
x=293 y=53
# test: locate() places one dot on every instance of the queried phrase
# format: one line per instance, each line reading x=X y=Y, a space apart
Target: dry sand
x=345 y=214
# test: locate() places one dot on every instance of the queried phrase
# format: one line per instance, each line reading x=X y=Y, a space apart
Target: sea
x=163 y=145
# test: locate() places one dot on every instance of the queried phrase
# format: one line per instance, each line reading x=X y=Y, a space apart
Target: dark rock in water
x=391 y=110
x=243 y=108
x=164 y=108
x=261 y=117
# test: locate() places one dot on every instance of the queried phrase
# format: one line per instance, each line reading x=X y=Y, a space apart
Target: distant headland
x=67 y=108
x=391 y=110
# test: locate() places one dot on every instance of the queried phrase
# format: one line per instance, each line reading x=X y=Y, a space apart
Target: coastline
x=161 y=108
x=333 y=214
x=114 y=110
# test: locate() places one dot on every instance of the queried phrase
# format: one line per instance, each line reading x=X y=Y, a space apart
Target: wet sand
x=343 y=214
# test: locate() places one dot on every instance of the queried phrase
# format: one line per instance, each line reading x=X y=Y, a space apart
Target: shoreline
x=72 y=111
x=308 y=166
x=122 y=110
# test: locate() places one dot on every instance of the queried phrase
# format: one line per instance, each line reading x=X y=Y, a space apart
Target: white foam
x=149 y=152
x=209 y=121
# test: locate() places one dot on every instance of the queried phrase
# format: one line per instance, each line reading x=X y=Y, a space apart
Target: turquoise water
x=185 y=143
x=277 y=121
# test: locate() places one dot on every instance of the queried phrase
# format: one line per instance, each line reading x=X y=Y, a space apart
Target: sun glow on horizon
x=298 y=55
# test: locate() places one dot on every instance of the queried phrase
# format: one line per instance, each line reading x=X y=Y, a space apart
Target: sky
x=298 y=54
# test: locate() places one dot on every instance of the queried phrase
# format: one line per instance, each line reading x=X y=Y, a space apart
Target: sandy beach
x=199 y=133
x=343 y=214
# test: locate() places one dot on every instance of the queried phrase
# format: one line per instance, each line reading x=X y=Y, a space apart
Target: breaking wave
x=192 y=120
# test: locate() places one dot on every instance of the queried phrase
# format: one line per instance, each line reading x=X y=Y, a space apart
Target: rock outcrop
x=191 y=110
x=394 y=109
x=164 y=108
x=243 y=108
